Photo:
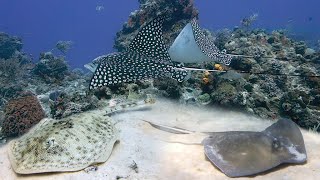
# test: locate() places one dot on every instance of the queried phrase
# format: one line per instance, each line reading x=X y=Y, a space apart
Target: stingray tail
x=179 y=73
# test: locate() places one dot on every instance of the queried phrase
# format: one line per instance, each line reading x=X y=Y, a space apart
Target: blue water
x=41 y=23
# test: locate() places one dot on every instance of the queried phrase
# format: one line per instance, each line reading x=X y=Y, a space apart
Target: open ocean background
x=42 y=23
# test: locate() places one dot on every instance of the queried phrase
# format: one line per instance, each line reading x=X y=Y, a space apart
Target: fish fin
x=178 y=73
x=149 y=40
x=90 y=66
x=107 y=70
x=207 y=45
x=126 y=67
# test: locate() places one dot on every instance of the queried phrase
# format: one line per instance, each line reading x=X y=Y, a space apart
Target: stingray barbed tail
x=246 y=72
x=248 y=56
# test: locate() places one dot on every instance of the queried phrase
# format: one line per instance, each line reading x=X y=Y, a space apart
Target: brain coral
x=21 y=114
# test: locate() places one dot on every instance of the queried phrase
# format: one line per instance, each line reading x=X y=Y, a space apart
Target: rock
x=309 y=52
x=181 y=12
x=170 y=86
x=224 y=94
x=51 y=69
x=43 y=98
x=9 y=45
x=204 y=99
x=277 y=46
x=271 y=40
x=231 y=46
x=300 y=47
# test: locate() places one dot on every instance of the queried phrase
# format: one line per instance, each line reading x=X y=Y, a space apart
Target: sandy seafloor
x=158 y=158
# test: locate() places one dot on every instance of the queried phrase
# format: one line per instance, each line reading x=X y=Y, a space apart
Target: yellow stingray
x=70 y=144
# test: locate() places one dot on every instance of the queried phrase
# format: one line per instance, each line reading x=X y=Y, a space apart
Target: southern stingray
x=245 y=153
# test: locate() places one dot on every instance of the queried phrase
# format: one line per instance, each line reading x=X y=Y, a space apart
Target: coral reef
x=63 y=104
x=47 y=80
x=51 y=69
x=169 y=87
x=68 y=97
x=14 y=68
x=9 y=45
x=21 y=114
x=11 y=69
x=64 y=46
x=180 y=12
x=266 y=90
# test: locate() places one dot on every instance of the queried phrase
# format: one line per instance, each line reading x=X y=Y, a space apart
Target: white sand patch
x=158 y=159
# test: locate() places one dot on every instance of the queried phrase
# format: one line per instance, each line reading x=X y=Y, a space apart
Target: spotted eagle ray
x=245 y=153
x=146 y=57
x=193 y=46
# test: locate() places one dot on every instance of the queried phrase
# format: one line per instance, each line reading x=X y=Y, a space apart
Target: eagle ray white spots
x=146 y=57
x=207 y=45
x=149 y=41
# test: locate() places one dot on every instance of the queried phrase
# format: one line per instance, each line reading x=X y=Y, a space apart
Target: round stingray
x=243 y=153
x=70 y=144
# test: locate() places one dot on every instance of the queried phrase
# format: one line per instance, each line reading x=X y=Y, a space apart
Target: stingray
x=245 y=153
x=193 y=46
x=146 y=57
x=69 y=144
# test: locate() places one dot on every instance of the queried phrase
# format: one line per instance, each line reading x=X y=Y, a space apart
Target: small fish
x=99 y=8
x=146 y=57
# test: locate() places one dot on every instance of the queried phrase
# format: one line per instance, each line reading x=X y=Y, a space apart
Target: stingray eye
x=50 y=143
x=276 y=145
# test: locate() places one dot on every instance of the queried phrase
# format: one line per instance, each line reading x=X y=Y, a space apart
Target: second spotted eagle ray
x=146 y=57
x=193 y=46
